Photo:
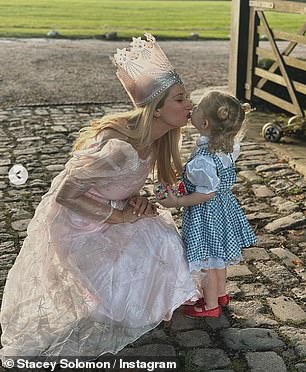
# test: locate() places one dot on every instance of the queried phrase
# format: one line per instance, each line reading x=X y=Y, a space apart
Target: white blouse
x=202 y=170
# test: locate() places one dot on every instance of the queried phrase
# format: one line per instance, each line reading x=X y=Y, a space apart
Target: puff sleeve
x=202 y=172
x=95 y=168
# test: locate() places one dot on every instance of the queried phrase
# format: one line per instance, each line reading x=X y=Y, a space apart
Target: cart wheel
x=272 y=132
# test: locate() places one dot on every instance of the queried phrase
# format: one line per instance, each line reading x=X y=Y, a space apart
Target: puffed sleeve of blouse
x=95 y=168
x=202 y=172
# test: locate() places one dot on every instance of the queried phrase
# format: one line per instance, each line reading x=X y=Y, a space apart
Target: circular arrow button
x=18 y=174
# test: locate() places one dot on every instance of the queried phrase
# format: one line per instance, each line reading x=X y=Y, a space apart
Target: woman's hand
x=142 y=206
x=170 y=201
x=129 y=216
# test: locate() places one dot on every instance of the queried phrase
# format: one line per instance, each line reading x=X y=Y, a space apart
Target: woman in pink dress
x=93 y=275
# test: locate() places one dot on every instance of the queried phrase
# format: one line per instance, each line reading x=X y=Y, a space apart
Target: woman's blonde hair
x=135 y=126
x=225 y=115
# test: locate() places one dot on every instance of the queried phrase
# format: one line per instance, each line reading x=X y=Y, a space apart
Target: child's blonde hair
x=225 y=115
x=136 y=126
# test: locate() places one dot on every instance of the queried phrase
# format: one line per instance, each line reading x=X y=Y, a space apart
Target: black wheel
x=272 y=132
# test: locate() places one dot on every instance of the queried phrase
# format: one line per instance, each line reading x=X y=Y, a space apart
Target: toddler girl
x=214 y=226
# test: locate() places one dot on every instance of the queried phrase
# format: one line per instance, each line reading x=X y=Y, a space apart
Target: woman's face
x=176 y=109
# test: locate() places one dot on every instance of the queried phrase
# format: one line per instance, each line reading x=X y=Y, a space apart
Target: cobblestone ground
x=264 y=326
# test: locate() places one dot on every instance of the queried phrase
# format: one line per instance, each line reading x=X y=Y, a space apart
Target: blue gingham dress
x=215 y=231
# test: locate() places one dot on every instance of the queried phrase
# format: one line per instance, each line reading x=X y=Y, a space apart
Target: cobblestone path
x=263 y=329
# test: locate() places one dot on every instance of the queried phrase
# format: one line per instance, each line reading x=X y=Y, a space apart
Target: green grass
x=285 y=22
x=93 y=18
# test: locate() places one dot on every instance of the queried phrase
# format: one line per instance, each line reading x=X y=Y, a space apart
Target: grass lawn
x=93 y=18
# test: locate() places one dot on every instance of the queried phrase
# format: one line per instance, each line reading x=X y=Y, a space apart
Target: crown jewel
x=144 y=70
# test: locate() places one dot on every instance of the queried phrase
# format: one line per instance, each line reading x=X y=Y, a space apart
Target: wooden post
x=240 y=15
x=253 y=39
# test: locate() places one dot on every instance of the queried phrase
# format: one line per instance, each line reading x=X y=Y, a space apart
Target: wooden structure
x=247 y=79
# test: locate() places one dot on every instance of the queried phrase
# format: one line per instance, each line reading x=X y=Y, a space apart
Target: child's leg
x=223 y=298
x=209 y=308
x=211 y=289
x=221 y=279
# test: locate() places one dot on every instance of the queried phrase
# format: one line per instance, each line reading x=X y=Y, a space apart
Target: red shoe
x=224 y=300
x=190 y=312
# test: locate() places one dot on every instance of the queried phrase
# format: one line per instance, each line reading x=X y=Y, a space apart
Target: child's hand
x=170 y=201
x=160 y=191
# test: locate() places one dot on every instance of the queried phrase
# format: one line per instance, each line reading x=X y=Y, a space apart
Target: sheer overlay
x=81 y=286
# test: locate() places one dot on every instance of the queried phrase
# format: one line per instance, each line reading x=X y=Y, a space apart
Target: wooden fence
x=247 y=77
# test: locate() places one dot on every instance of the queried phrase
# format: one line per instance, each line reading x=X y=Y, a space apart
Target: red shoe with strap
x=191 y=312
x=224 y=300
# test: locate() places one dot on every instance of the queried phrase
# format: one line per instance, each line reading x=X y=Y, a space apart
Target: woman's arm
x=100 y=167
x=73 y=197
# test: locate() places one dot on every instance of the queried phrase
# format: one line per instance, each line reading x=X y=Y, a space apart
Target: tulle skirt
x=80 y=288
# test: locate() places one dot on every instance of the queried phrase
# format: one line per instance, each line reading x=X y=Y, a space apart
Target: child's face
x=197 y=118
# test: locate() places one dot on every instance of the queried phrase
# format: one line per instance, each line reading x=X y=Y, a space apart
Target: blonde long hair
x=136 y=126
x=226 y=117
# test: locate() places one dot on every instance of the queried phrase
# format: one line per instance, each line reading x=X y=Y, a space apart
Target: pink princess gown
x=81 y=286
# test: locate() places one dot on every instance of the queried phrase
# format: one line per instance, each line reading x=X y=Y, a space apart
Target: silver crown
x=144 y=70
